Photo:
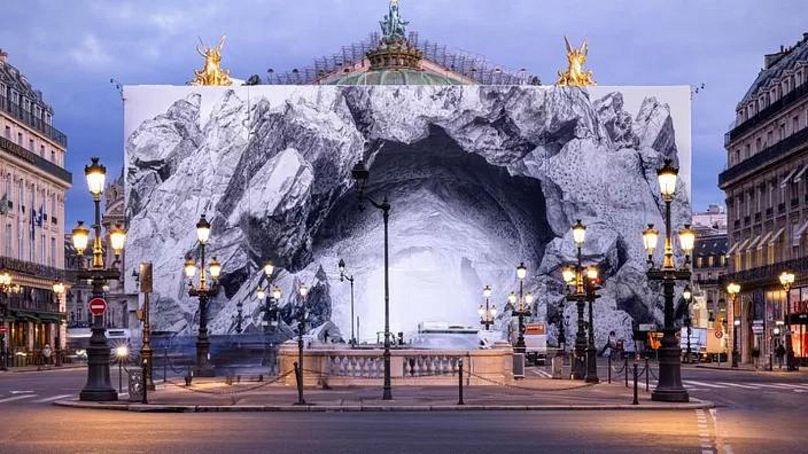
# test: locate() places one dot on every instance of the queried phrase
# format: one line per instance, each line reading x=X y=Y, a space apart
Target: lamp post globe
x=787 y=280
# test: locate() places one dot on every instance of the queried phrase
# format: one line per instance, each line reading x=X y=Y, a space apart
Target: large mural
x=480 y=178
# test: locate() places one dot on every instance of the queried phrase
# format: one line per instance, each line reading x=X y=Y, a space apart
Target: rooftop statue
x=212 y=73
x=393 y=26
x=575 y=75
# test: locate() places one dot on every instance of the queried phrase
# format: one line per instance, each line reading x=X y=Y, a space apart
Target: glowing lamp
x=487 y=291
x=203 y=230
x=81 y=237
x=117 y=239
x=579 y=233
x=190 y=268
x=667 y=180
x=650 y=239
x=96 y=176
x=215 y=268
x=521 y=271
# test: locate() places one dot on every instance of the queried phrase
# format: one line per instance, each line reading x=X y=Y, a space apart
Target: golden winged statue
x=575 y=75
x=212 y=73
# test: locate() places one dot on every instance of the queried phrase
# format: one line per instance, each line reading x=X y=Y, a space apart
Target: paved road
x=756 y=413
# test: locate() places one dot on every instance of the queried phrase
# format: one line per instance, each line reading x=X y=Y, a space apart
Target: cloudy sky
x=70 y=50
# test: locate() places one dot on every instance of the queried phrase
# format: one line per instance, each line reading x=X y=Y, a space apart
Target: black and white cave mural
x=480 y=178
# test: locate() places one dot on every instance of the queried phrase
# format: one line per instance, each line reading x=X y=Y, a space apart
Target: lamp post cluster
x=583 y=282
x=521 y=307
x=669 y=387
x=7 y=288
x=98 y=386
x=203 y=290
x=361 y=174
x=269 y=296
x=787 y=280
x=343 y=276
x=487 y=311
x=303 y=291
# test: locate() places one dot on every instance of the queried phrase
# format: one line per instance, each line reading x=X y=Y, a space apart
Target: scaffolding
x=352 y=58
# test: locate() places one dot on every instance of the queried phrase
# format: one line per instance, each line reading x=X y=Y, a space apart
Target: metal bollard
x=636 y=401
x=460 y=382
x=647 y=372
x=609 y=368
x=625 y=370
x=299 y=378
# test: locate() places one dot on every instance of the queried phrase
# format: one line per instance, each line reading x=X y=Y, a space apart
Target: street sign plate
x=98 y=306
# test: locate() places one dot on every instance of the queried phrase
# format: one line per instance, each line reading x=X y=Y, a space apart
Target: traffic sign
x=98 y=306
x=719 y=334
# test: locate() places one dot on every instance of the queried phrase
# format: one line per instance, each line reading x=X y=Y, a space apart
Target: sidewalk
x=746 y=367
x=528 y=394
x=44 y=368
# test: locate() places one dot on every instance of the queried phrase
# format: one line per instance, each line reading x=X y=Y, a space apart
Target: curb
x=149 y=408
x=50 y=369
x=741 y=369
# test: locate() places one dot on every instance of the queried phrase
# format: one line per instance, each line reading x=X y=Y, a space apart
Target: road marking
x=738 y=385
x=21 y=392
x=709 y=385
x=52 y=398
x=22 y=396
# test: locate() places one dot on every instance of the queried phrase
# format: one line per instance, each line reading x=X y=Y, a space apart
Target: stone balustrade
x=340 y=365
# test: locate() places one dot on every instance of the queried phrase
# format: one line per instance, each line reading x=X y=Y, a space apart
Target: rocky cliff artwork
x=480 y=178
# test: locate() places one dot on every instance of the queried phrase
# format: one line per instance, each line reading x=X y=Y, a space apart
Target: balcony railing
x=757 y=217
x=27 y=117
x=767 y=113
x=38 y=161
x=30 y=268
x=769 y=213
x=767 y=276
x=767 y=156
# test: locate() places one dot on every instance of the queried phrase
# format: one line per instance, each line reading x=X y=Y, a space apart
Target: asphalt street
x=756 y=413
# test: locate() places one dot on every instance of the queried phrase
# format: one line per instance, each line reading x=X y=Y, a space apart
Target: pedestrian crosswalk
x=31 y=397
x=697 y=385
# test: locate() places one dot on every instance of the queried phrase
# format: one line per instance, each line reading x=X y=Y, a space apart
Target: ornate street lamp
x=669 y=387
x=203 y=291
x=687 y=295
x=58 y=288
x=7 y=288
x=303 y=291
x=733 y=290
x=360 y=174
x=521 y=309
x=592 y=286
x=487 y=311
x=575 y=277
x=787 y=280
x=98 y=386
x=343 y=276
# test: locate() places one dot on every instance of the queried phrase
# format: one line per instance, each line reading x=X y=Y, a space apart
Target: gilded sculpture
x=212 y=73
x=575 y=75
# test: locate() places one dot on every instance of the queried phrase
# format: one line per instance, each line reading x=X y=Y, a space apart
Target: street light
x=203 y=291
x=582 y=289
x=733 y=290
x=687 y=295
x=58 y=290
x=786 y=280
x=98 y=386
x=592 y=285
x=301 y=326
x=487 y=312
x=121 y=354
x=361 y=174
x=669 y=386
x=521 y=309
x=7 y=288
x=343 y=276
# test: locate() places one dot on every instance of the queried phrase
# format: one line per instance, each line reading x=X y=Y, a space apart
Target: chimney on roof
x=770 y=60
x=3 y=55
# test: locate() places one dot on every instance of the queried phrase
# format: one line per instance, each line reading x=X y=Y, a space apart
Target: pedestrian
x=610 y=342
x=46 y=354
x=780 y=351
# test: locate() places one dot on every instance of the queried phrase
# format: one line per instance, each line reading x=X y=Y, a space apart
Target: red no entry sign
x=2 y=329
x=98 y=306
x=719 y=334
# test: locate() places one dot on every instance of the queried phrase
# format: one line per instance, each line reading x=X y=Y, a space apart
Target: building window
x=711 y=261
x=53 y=252
x=19 y=138
x=8 y=240
x=795 y=124
x=8 y=132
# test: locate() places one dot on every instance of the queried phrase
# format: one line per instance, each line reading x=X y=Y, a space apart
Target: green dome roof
x=404 y=76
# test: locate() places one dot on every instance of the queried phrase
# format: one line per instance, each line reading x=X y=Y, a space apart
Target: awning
x=53 y=318
x=732 y=249
x=776 y=237
x=787 y=179
x=798 y=176
x=763 y=240
x=752 y=244
x=742 y=246
x=798 y=235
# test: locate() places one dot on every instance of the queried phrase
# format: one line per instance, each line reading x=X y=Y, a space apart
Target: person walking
x=46 y=354
x=610 y=343
x=780 y=352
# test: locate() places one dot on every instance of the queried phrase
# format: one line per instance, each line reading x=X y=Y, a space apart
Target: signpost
x=98 y=306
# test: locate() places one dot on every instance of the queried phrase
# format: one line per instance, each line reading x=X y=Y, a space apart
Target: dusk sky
x=70 y=50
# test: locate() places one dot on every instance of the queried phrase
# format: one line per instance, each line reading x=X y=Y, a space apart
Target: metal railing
x=768 y=112
x=773 y=153
x=27 y=117
x=38 y=161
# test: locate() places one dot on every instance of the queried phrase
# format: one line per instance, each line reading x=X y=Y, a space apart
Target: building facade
x=766 y=187
x=33 y=181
